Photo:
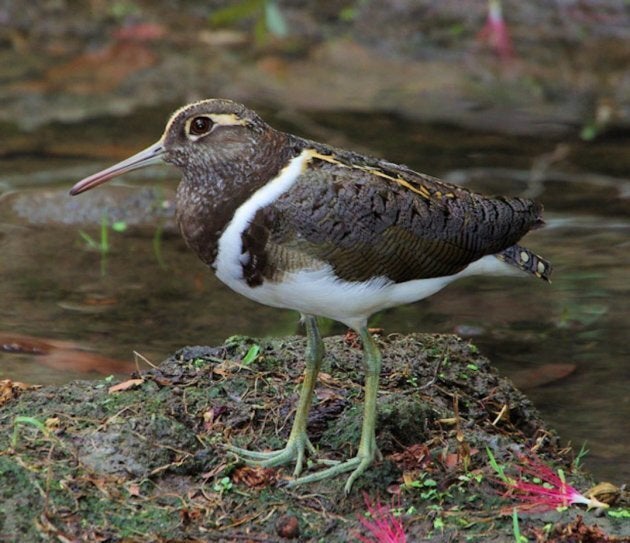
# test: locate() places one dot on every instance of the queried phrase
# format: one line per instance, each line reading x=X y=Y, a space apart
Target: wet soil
x=145 y=459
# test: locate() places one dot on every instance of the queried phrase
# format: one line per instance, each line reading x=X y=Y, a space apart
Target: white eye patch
x=201 y=125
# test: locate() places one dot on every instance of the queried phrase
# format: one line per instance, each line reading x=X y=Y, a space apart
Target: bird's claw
x=294 y=450
x=357 y=465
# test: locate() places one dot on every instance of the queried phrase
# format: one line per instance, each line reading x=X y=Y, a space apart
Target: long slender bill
x=147 y=157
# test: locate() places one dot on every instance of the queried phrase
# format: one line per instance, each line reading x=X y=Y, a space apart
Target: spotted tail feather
x=527 y=261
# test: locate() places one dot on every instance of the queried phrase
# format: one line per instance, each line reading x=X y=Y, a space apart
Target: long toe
x=356 y=465
x=363 y=465
x=333 y=471
x=294 y=451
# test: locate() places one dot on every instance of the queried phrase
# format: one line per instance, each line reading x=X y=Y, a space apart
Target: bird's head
x=204 y=140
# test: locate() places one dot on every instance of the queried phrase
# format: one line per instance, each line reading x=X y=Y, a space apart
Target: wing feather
x=369 y=219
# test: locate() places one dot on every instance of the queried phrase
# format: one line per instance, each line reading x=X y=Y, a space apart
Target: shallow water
x=151 y=295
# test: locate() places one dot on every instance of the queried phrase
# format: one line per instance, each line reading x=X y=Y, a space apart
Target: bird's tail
x=527 y=261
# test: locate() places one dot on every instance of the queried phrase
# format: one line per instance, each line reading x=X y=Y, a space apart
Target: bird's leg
x=298 y=441
x=368 y=451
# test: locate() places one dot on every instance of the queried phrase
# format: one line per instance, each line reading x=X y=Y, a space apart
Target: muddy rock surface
x=144 y=459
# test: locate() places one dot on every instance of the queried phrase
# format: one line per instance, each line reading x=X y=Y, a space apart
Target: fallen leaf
x=604 y=492
x=126 y=385
x=327 y=395
x=9 y=390
x=162 y=381
x=351 y=339
x=109 y=487
x=288 y=527
x=414 y=457
x=214 y=471
x=255 y=476
x=134 y=490
x=328 y=379
x=450 y=460
x=52 y=423
x=192 y=515
x=409 y=477
x=211 y=418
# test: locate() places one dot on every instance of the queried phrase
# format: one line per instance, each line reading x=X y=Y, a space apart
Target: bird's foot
x=357 y=465
x=294 y=450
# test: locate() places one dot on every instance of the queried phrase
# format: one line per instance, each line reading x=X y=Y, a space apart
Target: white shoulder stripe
x=228 y=264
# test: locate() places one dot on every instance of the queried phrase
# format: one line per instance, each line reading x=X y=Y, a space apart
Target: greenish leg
x=368 y=451
x=298 y=441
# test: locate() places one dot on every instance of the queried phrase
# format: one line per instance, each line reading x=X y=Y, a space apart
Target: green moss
x=144 y=463
x=20 y=496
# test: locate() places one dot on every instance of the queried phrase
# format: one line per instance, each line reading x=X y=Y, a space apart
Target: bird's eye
x=200 y=126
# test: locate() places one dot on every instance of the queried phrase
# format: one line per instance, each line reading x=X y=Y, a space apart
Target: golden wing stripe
x=421 y=189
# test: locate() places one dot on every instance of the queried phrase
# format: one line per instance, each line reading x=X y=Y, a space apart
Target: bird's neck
x=207 y=199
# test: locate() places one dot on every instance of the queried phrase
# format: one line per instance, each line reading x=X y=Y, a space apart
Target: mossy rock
x=148 y=463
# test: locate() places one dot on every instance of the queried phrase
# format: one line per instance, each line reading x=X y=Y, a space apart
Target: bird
x=296 y=224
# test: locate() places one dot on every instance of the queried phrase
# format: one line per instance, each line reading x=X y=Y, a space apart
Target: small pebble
x=287 y=526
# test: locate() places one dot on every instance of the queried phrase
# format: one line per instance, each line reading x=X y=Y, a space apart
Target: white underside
x=318 y=291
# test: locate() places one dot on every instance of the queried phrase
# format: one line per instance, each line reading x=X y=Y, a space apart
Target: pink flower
x=382 y=524
x=550 y=493
x=495 y=31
